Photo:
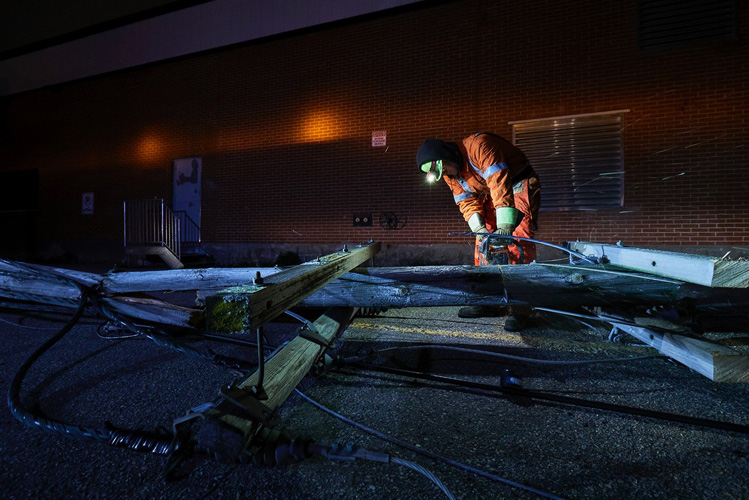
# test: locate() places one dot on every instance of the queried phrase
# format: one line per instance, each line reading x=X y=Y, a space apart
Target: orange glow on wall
x=321 y=125
x=149 y=148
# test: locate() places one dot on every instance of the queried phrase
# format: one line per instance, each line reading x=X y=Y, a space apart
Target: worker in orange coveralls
x=497 y=191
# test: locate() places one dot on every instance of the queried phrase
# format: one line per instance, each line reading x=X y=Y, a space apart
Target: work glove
x=477 y=225
x=508 y=219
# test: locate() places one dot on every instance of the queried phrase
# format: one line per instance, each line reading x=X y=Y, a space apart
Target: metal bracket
x=315 y=337
x=250 y=404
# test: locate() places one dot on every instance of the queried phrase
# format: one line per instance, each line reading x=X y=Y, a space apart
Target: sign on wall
x=87 y=204
x=379 y=138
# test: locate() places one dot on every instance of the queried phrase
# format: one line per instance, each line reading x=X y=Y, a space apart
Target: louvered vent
x=671 y=24
x=578 y=160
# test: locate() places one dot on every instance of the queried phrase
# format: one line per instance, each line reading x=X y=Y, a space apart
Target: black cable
x=33 y=420
x=426 y=453
x=484 y=352
x=546 y=396
x=135 y=440
x=163 y=340
x=232 y=340
x=260 y=361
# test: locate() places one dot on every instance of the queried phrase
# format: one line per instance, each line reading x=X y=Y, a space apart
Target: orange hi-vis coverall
x=497 y=174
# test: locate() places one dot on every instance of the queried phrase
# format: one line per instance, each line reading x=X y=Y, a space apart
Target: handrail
x=152 y=222
x=190 y=229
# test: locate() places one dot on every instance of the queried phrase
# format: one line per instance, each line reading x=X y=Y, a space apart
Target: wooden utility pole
x=247 y=307
x=230 y=428
x=247 y=406
x=697 y=269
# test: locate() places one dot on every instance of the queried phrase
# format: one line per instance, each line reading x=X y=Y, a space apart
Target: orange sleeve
x=467 y=201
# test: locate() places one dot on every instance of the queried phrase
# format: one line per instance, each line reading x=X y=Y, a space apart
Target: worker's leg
x=527 y=200
x=479 y=260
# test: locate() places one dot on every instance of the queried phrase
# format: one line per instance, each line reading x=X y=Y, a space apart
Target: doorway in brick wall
x=186 y=201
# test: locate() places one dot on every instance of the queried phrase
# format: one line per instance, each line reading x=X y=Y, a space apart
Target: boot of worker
x=482 y=311
x=518 y=319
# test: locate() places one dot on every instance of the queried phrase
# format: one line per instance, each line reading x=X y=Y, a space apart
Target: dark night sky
x=31 y=25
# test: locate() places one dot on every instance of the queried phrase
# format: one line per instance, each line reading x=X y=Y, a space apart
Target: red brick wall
x=284 y=126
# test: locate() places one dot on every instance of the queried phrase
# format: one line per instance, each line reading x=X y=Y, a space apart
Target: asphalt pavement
x=478 y=441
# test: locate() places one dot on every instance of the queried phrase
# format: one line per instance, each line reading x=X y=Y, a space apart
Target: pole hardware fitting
x=348 y=452
x=313 y=336
x=326 y=365
x=510 y=380
x=249 y=402
x=273 y=447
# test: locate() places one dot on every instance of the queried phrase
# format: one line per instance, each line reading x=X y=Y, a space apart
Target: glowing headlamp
x=433 y=169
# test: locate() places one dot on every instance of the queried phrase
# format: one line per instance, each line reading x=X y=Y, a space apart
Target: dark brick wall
x=284 y=126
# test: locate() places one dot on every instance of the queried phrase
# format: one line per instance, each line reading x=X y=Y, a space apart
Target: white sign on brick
x=379 y=138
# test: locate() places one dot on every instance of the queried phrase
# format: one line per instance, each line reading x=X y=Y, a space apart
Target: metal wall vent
x=671 y=24
x=578 y=159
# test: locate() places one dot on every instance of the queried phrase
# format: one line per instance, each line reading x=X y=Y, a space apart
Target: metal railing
x=190 y=229
x=152 y=223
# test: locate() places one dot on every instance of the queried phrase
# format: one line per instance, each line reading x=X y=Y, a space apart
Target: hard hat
x=433 y=169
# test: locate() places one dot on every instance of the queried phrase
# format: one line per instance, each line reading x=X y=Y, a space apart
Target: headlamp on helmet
x=433 y=169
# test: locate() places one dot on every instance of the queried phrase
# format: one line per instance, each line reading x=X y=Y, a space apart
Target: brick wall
x=284 y=126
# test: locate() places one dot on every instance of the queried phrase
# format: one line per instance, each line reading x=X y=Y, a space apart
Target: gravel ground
x=561 y=450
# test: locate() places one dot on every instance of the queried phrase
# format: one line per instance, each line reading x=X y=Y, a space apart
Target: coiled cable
x=135 y=440
x=40 y=422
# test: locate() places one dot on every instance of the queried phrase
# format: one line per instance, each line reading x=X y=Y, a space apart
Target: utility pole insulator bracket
x=250 y=404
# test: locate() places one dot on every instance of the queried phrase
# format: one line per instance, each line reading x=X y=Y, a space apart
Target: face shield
x=433 y=169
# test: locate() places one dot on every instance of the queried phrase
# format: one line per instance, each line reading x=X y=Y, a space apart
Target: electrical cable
x=503 y=355
x=104 y=326
x=32 y=420
x=232 y=340
x=304 y=448
x=547 y=396
x=135 y=440
x=426 y=453
x=260 y=361
x=165 y=341
x=427 y=473
x=614 y=320
x=300 y=318
x=531 y=240
x=26 y=326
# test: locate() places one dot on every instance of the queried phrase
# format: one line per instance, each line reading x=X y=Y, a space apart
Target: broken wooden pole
x=714 y=361
x=245 y=308
x=539 y=285
x=176 y=280
x=690 y=268
x=155 y=311
x=231 y=426
x=533 y=284
x=421 y=286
